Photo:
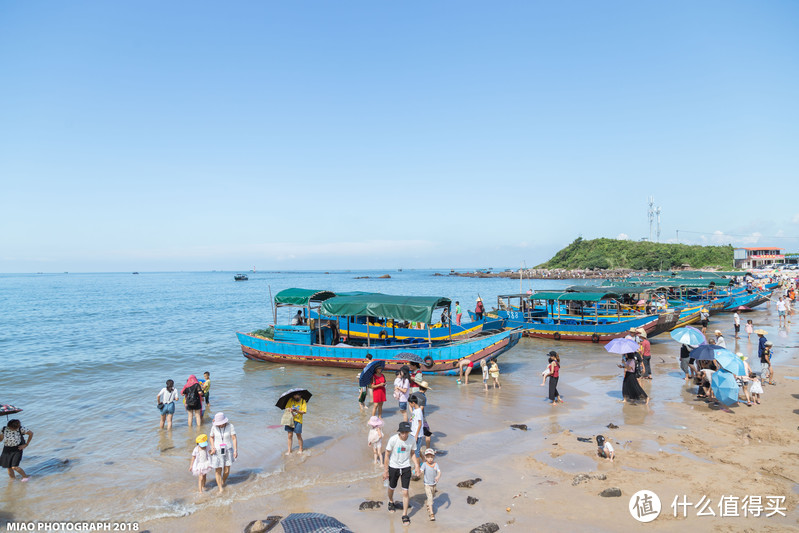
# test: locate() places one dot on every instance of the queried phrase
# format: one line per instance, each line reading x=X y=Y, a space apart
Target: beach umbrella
x=730 y=362
x=7 y=409
x=622 y=346
x=688 y=335
x=368 y=371
x=724 y=387
x=312 y=523
x=410 y=357
x=705 y=352
x=286 y=396
x=743 y=308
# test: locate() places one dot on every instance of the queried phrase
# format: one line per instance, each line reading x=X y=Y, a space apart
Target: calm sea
x=85 y=355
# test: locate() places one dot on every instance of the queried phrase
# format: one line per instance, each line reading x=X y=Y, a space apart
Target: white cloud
x=622 y=237
x=795 y=219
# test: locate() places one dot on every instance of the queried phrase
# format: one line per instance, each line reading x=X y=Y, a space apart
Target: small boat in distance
x=135 y=272
x=241 y=277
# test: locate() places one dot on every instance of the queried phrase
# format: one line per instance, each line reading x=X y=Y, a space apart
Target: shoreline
x=679 y=446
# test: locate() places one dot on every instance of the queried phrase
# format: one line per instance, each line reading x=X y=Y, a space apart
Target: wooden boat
x=317 y=343
x=391 y=331
x=541 y=315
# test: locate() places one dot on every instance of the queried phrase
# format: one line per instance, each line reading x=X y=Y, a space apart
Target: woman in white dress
x=224 y=449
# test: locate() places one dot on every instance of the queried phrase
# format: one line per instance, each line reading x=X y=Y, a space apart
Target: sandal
x=390 y=507
x=432 y=517
x=406 y=519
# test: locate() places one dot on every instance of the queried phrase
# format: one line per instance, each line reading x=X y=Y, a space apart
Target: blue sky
x=288 y=135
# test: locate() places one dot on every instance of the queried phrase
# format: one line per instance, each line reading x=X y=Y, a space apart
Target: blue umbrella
x=312 y=523
x=368 y=371
x=622 y=346
x=705 y=352
x=410 y=357
x=688 y=335
x=724 y=387
x=730 y=362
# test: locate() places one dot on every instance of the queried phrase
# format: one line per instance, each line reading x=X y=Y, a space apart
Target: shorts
x=207 y=397
x=737 y=328
x=426 y=430
x=781 y=313
x=403 y=406
x=362 y=396
x=704 y=323
x=419 y=442
x=168 y=409
x=296 y=429
x=395 y=474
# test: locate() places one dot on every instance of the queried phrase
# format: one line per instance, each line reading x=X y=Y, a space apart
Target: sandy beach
x=679 y=446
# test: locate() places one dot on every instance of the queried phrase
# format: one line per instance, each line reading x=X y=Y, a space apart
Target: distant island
x=606 y=254
x=615 y=259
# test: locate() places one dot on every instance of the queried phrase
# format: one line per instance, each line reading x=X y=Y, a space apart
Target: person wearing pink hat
x=375 y=438
x=223 y=448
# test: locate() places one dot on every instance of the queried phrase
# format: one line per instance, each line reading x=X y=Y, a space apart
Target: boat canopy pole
x=449 y=322
x=368 y=335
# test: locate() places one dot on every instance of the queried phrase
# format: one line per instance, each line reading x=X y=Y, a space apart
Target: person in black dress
x=631 y=389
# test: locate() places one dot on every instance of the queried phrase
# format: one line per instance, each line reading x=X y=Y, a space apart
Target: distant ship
x=241 y=277
x=135 y=272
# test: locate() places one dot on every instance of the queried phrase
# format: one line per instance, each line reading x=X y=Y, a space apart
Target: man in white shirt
x=781 y=310
x=399 y=454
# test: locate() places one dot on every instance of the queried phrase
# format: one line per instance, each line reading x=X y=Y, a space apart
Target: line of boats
x=340 y=329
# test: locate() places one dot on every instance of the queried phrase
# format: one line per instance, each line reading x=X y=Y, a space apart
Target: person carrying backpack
x=192 y=397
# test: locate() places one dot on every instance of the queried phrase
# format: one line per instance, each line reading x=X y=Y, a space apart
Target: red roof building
x=757 y=257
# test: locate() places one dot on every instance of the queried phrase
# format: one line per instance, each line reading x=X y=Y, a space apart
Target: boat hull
x=443 y=359
x=549 y=329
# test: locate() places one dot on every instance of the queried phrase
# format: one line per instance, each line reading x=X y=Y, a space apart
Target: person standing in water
x=206 y=385
x=192 y=392
x=458 y=313
x=166 y=399
x=13 y=444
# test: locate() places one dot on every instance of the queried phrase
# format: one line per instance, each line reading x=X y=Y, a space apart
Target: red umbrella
x=7 y=409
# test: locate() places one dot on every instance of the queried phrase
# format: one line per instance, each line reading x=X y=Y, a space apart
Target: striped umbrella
x=312 y=523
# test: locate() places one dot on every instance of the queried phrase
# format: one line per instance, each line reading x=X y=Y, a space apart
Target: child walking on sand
x=484 y=368
x=493 y=370
x=757 y=389
x=200 y=463
x=375 y=438
x=749 y=329
x=431 y=473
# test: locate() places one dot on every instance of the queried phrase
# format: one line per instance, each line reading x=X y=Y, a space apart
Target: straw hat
x=641 y=332
x=419 y=380
x=717 y=332
x=760 y=331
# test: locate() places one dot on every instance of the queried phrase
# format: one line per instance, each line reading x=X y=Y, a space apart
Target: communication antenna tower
x=651 y=215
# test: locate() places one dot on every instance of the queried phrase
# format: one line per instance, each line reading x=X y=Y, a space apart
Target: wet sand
x=677 y=446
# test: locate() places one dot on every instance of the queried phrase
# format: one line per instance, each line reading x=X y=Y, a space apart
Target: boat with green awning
x=331 y=339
